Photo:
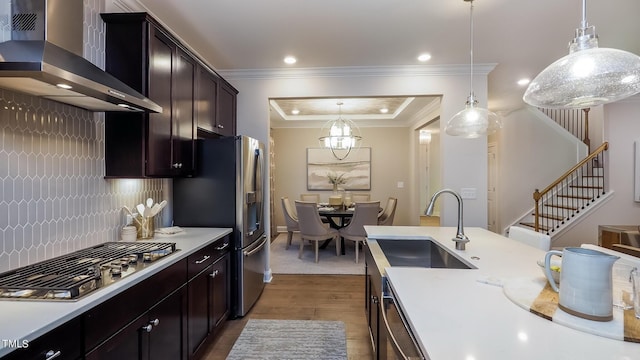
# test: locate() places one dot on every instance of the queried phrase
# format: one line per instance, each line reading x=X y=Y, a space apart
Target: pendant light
x=473 y=121
x=340 y=135
x=588 y=76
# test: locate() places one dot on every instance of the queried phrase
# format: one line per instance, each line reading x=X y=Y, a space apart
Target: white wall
x=389 y=164
x=533 y=153
x=621 y=128
x=464 y=162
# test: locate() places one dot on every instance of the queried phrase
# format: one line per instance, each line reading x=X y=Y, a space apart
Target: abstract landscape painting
x=354 y=170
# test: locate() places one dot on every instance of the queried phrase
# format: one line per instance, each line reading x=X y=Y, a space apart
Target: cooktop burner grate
x=70 y=276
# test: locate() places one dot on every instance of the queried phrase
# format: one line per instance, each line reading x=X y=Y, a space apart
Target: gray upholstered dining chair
x=365 y=213
x=389 y=212
x=360 y=197
x=291 y=219
x=312 y=229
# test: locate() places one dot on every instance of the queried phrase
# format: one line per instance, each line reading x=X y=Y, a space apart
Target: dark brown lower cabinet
x=156 y=334
x=56 y=344
x=168 y=316
x=164 y=334
x=125 y=344
x=208 y=294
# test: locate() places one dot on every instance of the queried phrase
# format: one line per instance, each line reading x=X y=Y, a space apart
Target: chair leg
x=289 y=237
x=337 y=239
x=301 y=247
x=317 y=250
x=357 y=243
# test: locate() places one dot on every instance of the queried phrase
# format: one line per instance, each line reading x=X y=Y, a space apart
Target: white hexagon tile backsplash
x=53 y=195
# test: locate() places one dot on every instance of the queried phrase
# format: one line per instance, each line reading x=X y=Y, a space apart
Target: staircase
x=575 y=192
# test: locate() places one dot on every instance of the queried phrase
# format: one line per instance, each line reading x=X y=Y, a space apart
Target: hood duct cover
x=40 y=56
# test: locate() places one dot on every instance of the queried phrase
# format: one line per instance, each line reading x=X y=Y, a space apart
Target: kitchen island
x=464 y=314
x=23 y=321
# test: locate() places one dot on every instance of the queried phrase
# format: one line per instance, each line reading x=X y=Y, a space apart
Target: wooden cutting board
x=536 y=296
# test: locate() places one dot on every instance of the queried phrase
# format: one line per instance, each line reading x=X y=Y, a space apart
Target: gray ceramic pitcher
x=586 y=287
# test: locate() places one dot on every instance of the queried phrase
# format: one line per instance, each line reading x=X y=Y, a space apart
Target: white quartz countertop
x=27 y=320
x=456 y=314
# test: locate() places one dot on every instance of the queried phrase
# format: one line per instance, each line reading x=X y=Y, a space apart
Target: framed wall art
x=352 y=173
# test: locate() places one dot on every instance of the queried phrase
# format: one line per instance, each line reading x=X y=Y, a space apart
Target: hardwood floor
x=306 y=297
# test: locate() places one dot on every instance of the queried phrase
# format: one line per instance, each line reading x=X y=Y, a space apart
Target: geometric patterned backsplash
x=53 y=195
x=54 y=198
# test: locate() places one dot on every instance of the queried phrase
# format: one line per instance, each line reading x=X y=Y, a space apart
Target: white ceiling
x=521 y=36
x=366 y=111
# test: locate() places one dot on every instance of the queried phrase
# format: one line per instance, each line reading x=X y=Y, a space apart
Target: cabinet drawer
x=110 y=316
x=204 y=257
x=63 y=342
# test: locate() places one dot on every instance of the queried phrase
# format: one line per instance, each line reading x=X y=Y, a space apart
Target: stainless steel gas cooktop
x=74 y=275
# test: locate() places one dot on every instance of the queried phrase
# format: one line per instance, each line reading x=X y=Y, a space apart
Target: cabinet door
x=206 y=95
x=220 y=291
x=226 y=116
x=161 y=64
x=63 y=342
x=182 y=133
x=168 y=317
x=199 y=297
x=125 y=344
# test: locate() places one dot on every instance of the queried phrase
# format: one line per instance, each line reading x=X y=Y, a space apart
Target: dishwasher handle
x=394 y=341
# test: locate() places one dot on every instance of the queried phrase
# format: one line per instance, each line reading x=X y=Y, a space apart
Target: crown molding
x=356 y=71
x=432 y=108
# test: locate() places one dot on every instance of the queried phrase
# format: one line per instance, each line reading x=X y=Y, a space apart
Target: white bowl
x=554 y=273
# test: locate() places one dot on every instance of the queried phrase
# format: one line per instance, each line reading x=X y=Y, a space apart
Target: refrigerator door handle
x=257 y=248
x=257 y=183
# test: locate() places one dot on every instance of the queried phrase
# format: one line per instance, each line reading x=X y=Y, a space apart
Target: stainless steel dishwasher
x=401 y=343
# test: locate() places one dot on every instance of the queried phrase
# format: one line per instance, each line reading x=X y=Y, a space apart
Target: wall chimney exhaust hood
x=41 y=54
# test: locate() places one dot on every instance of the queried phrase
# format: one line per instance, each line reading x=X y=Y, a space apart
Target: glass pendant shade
x=473 y=122
x=588 y=76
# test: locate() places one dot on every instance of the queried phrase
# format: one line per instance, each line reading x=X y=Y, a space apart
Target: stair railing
x=572 y=191
x=575 y=121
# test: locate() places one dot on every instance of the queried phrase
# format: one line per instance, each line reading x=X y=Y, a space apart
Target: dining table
x=338 y=218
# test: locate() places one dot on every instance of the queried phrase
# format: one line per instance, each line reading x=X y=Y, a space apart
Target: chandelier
x=473 y=121
x=340 y=135
x=588 y=76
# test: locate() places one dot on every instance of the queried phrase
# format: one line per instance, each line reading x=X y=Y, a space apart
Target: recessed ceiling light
x=384 y=110
x=295 y=111
x=290 y=60
x=64 y=86
x=424 y=57
x=523 y=82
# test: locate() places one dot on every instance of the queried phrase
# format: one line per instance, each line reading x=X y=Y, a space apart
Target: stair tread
x=586 y=186
x=550 y=216
x=560 y=206
x=575 y=197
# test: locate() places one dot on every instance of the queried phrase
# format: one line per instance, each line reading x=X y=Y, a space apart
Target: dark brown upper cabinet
x=142 y=54
x=215 y=105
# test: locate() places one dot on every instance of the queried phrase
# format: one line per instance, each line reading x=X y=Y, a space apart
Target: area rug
x=285 y=261
x=291 y=339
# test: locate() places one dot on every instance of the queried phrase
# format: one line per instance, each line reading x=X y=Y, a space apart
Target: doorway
x=429 y=169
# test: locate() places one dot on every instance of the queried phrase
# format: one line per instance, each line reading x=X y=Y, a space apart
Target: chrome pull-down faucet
x=461 y=239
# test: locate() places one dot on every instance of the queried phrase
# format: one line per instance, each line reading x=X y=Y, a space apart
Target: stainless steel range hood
x=41 y=55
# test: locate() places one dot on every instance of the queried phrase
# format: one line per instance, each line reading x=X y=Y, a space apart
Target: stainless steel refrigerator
x=227 y=191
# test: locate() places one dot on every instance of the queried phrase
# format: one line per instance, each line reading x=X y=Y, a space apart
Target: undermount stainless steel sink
x=419 y=253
